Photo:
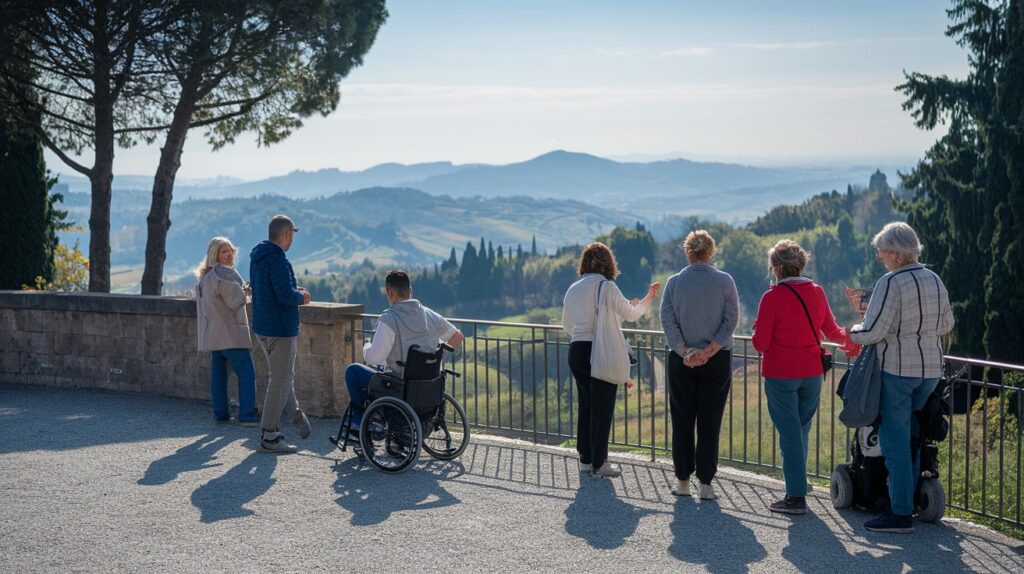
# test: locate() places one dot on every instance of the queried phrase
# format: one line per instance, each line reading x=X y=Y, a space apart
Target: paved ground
x=105 y=482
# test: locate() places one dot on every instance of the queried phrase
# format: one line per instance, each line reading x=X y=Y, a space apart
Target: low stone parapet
x=148 y=344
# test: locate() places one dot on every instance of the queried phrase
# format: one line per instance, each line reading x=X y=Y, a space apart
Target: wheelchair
x=403 y=414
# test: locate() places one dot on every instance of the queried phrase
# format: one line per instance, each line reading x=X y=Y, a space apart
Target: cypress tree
x=28 y=220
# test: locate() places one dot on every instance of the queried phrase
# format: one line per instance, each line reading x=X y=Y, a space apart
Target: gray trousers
x=280 y=354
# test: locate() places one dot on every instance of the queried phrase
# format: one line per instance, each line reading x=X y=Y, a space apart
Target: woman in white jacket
x=223 y=330
x=595 y=397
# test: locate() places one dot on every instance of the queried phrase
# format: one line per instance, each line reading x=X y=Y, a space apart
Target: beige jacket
x=220 y=309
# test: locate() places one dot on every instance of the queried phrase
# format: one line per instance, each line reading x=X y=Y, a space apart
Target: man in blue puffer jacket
x=275 y=320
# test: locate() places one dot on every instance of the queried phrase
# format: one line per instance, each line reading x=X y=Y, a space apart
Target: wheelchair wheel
x=446 y=432
x=932 y=500
x=841 y=488
x=390 y=435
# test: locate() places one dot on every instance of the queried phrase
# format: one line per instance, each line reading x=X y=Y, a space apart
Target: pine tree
x=1004 y=297
x=962 y=182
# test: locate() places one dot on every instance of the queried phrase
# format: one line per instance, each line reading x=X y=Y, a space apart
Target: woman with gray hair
x=223 y=330
x=699 y=312
x=907 y=314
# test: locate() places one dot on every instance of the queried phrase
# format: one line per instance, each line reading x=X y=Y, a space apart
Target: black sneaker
x=891 y=523
x=790 y=505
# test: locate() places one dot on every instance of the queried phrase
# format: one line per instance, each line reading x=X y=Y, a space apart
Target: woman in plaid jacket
x=908 y=313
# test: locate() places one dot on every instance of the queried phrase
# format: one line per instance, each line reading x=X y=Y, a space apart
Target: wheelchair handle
x=452 y=373
x=448 y=347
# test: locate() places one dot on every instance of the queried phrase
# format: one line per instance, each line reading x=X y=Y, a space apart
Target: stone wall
x=148 y=344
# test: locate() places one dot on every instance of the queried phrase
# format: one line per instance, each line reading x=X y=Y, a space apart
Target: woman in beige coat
x=223 y=330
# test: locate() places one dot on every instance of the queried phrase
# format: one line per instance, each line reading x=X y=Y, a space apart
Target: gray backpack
x=861 y=388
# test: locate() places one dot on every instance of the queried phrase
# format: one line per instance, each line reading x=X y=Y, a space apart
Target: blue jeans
x=792 y=404
x=901 y=396
x=241 y=364
x=357 y=379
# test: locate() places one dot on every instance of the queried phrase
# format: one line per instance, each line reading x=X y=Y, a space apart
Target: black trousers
x=596 y=400
x=697 y=399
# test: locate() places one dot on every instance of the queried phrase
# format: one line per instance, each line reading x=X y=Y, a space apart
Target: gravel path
x=96 y=481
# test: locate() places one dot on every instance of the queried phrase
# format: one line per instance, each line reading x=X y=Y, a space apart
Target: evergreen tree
x=635 y=251
x=469 y=274
x=963 y=203
x=29 y=219
x=452 y=263
x=1004 y=296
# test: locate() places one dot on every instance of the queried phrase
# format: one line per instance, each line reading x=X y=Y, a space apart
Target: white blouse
x=578 y=307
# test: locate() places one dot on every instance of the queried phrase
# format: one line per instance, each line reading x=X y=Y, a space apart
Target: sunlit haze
x=467 y=81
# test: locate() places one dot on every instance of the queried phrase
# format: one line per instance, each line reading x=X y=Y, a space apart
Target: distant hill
x=651 y=190
x=388 y=225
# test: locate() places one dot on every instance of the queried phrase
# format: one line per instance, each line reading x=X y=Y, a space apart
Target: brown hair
x=598 y=258
x=699 y=246
x=787 y=259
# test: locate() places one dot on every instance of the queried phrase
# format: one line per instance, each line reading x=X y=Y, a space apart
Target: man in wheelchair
x=405 y=323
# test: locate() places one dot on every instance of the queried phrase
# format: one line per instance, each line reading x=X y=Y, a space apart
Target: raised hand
x=652 y=289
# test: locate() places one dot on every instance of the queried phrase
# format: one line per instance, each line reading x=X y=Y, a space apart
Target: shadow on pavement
x=600 y=517
x=225 y=497
x=703 y=534
x=195 y=456
x=43 y=418
x=372 y=496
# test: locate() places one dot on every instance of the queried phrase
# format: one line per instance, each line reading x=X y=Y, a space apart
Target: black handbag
x=826 y=357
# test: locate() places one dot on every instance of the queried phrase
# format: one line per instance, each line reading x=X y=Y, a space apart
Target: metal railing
x=516 y=382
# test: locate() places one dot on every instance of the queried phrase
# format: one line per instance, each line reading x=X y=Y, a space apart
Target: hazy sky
x=498 y=81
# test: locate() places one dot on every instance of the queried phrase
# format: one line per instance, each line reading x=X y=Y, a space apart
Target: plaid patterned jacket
x=908 y=312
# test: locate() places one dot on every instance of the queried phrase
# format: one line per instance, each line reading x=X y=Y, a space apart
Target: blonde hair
x=699 y=246
x=787 y=259
x=212 y=250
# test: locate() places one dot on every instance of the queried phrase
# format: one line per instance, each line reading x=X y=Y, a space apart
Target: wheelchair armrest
x=448 y=347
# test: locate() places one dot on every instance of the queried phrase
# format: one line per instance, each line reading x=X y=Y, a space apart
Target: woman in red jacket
x=790 y=320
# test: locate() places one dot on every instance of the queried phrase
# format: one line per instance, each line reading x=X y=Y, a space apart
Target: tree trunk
x=102 y=174
x=159 y=220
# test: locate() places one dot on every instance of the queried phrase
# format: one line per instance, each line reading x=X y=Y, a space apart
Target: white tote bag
x=609 y=355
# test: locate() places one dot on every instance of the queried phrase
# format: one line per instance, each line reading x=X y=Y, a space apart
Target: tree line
x=493 y=283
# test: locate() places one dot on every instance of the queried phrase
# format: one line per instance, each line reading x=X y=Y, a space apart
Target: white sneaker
x=682 y=488
x=586 y=467
x=707 y=492
x=608 y=469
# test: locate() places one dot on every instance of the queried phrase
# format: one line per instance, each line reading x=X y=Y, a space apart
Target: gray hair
x=279 y=225
x=900 y=238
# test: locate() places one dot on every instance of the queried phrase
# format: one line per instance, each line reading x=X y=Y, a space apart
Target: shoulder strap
x=806 y=312
x=597 y=298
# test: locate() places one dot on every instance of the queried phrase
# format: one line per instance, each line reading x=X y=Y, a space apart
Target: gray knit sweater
x=700 y=304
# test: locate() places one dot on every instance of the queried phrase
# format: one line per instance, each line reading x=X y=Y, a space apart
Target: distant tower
x=878 y=182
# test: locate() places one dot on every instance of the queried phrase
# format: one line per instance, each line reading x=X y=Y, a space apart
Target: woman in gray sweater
x=699 y=312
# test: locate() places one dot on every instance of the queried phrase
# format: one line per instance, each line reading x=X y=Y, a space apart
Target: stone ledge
x=321 y=313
